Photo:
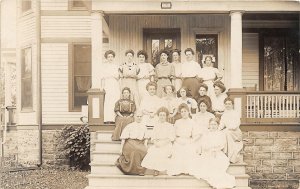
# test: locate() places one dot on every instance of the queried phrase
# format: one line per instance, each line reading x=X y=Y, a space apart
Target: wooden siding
x=250 y=67
x=27 y=29
x=66 y=26
x=126 y=32
x=54 y=5
x=55 y=78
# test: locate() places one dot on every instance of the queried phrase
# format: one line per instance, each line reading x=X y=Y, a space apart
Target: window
x=80 y=4
x=279 y=56
x=26 y=5
x=80 y=79
x=26 y=79
x=207 y=45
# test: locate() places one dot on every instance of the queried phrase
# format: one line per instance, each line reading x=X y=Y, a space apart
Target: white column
x=236 y=57
x=97 y=35
x=236 y=49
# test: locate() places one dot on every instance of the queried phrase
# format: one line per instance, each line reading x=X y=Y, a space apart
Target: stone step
x=148 y=181
x=166 y=187
x=109 y=168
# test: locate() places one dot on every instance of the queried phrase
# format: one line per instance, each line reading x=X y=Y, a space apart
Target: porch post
x=96 y=96
x=236 y=55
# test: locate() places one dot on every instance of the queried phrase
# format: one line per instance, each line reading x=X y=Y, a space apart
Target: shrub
x=75 y=144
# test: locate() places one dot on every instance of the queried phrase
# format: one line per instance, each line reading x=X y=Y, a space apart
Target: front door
x=156 y=40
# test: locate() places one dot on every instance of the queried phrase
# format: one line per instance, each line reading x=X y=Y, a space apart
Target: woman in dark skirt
x=124 y=108
x=133 y=147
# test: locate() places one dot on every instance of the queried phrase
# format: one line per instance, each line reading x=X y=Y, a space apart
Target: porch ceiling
x=194 y=6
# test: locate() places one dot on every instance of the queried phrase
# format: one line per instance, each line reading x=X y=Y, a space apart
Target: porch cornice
x=193 y=6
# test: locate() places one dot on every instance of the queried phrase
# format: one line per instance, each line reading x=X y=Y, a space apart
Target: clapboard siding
x=250 y=60
x=54 y=5
x=55 y=85
x=65 y=26
x=27 y=29
x=126 y=32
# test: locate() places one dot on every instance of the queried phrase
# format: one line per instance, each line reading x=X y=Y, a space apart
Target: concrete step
x=108 y=168
x=161 y=181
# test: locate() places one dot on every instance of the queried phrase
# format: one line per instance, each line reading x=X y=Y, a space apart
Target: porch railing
x=269 y=107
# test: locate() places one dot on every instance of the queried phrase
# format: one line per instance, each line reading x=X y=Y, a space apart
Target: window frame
x=26 y=109
x=71 y=91
x=28 y=11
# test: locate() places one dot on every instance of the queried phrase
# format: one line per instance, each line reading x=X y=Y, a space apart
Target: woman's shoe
x=156 y=173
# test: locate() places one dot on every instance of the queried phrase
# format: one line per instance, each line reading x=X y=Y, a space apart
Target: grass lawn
x=44 y=179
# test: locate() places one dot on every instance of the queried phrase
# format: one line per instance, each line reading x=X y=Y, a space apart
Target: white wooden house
x=59 y=45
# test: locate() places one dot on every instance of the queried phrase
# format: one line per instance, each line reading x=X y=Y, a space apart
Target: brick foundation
x=272 y=156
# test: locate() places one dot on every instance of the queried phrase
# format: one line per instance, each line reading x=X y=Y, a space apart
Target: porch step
x=104 y=163
x=166 y=187
x=161 y=181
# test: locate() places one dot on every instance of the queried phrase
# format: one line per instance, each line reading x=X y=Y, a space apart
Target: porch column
x=96 y=96
x=236 y=56
x=96 y=38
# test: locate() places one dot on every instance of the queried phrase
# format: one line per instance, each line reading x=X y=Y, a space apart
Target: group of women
x=181 y=108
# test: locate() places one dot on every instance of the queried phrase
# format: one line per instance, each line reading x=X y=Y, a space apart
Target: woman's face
x=175 y=56
x=126 y=94
x=169 y=90
x=217 y=90
x=138 y=117
x=202 y=107
x=202 y=91
x=162 y=116
x=141 y=58
x=208 y=61
x=228 y=105
x=151 y=90
x=129 y=57
x=189 y=56
x=182 y=92
x=213 y=126
x=163 y=57
x=110 y=58
x=184 y=113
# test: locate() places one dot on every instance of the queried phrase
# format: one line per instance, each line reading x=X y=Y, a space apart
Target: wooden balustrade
x=268 y=106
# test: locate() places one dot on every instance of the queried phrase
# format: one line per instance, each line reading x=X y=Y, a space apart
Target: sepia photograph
x=150 y=94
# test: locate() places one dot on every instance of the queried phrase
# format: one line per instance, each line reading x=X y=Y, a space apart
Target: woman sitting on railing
x=230 y=122
x=218 y=99
x=124 y=108
x=133 y=147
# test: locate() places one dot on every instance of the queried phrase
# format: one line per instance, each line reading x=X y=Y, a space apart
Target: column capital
x=236 y=12
x=99 y=12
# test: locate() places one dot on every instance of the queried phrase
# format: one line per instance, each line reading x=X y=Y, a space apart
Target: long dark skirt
x=133 y=154
x=121 y=123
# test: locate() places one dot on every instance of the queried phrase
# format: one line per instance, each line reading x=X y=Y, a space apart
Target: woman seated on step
x=212 y=163
x=183 y=151
x=230 y=124
x=158 y=155
x=124 y=108
x=133 y=147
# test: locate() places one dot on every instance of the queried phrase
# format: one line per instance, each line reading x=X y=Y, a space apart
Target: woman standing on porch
x=177 y=65
x=191 y=71
x=210 y=75
x=133 y=147
x=230 y=124
x=129 y=73
x=109 y=82
x=124 y=108
x=164 y=73
x=146 y=73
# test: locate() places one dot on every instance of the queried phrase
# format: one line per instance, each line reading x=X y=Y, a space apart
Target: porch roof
x=194 y=6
